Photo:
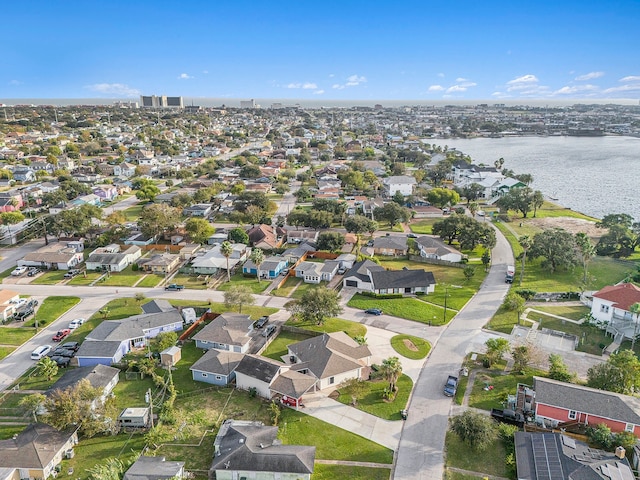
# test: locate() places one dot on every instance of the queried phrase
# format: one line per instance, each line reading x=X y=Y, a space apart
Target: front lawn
x=411 y=347
x=423 y=227
x=504 y=320
x=372 y=401
x=278 y=347
x=254 y=311
x=151 y=280
x=330 y=325
x=15 y=336
x=115 y=309
x=491 y=461
x=133 y=213
x=51 y=309
x=408 y=308
x=305 y=287
x=573 y=312
x=125 y=278
x=322 y=471
x=503 y=385
x=4 y=351
x=251 y=282
x=51 y=277
x=287 y=288
x=87 y=278
x=196 y=282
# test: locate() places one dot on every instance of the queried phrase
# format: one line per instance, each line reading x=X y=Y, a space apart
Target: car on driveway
x=269 y=331
x=61 y=352
x=174 y=286
x=61 y=335
x=262 y=321
x=373 y=311
x=62 y=362
x=33 y=271
x=72 y=273
x=16 y=272
x=412 y=235
x=73 y=346
x=75 y=323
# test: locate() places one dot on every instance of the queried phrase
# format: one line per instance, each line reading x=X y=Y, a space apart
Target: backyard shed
x=170 y=356
x=134 y=417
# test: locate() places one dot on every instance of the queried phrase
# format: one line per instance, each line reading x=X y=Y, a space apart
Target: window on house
x=332 y=380
x=204 y=375
x=604 y=308
x=218 y=377
x=629 y=427
x=573 y=414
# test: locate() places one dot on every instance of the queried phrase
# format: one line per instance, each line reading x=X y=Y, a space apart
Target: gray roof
x=217 y=362
x=157 y=306
x=250 y=446
x=35 y=447
x=260 y=368
x=293 y=384
x=97 y=348
x=133 y=327
x=153 y=468
x=435 y=246
x=615 y=406
x=99 y=376
x=228 y=328
x=361 y=270
x=390 y=242
x=330 y=354
x=401 y=279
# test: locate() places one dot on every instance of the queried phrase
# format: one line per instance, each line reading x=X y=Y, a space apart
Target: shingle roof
x=217 y=362
x=361 y=269
x=99 y=376
x=228 y=328
x=260 y=368
x=622 y=296
x=615 y=406
x=391 y=242
x=35 y=447
x=293 y=384
x=153 y=468
x=250 y=446
x=156 y=306
x=133 y=327
x=98 y=348
x=401 y=279
x=435 y=246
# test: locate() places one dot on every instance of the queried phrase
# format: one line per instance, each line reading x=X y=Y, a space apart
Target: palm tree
x=226 y=249
x=587 y=251
x=257 y=257
x=391 y=369
x=525 y=242
x=473 y=208
x=47 y=367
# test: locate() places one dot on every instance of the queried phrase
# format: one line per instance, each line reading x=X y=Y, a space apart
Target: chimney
x=620 y=452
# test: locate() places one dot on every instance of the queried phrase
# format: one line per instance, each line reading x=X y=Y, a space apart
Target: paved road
x=420 y=454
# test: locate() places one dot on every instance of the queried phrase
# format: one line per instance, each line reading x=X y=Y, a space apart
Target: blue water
x=593 y=175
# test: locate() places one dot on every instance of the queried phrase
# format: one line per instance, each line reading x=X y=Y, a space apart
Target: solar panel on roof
x=546 y=457
x=568 y=441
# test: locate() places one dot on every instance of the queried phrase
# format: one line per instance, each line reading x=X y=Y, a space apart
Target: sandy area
x=572 y=225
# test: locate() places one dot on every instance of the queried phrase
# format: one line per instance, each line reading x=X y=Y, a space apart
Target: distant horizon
x=209 y=102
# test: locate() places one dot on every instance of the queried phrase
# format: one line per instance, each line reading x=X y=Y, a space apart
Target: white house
x=111 y=259
x=212 y=261
x=612 y=306
x=399 y=183
x=59 y=256
x=433 y=247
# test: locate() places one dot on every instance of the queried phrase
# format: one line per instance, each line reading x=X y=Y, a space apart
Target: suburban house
x=368 y=276
x=24 y=174
x=160 y=263
x=154 y=468
x=198 y=210
x=266 y=237
x=315 y=272
x=111 y=340
x=612 y=306
x=216 y=367
x=8 y=303
x=258 y=373
x=124 y=169
x=211 y=262
x=294 y=254
x=228 y=331
x=99 y=376
x=245 y=449
x=55 y=256
x=400 y=183
x=111 y=259
x=301 y=236
x=270 y=268
x=139 y=239
x=390 y=246
x=554 y=402
x=554 y=456
x=426 y=211
x=35 y=452
x=106 y=192
x=332 y=358
x=434 y=248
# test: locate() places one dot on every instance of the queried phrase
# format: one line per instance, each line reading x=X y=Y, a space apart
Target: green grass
x=336 y=472
x=423 y=227
x=251 y=282
x=503 y=385
x=549 y=209
x=287 y=288
x=353 y=329
x=49 y=278
x=401 y=344
x=372 y=401
x=125 y=278
x=590 y=338
x=88 y=280
x=305 y=287
x=408 y=308
x=573 y=312
x=151 y=280
x=490 y=461
x=118 y=308
x=7 y=273
x=5 y=351
x=253 y=311
x=51 y=309
x=195 y=282
x=8 y=431
x=504 y=320
x=15 y=336
x=278 y=348
x=133 y=213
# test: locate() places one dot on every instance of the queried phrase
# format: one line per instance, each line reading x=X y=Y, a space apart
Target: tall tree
x=199 y=229
x=525 y=242
x=620 y=373
x=226 y=249
x=441 y=197
x=558 y=370
x=513 y=302
x=475 y=429
x=635 y=310
x=496 y=349
x=392 y=213
x=257 y=257
x=557 y=247
x=316 y=305
x=156 y=219
x=391 y=369
x=238 y=296
x=331 y=241
x=238 y=235
x=586 y=251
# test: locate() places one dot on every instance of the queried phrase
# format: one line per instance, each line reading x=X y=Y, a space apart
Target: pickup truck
x=451 y=386
x=507 y=416
x=174 y=286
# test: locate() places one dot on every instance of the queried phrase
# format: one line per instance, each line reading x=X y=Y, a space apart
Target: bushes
x=382 y=296
x=526 y=293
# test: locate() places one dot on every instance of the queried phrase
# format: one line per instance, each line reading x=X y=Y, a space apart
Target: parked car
x=16 y=272
x=21 y=302
x=62 y=352
x=23 y=312
x=71 y=273
x=412 y=235
x=451 y=386
x=61 y=335
x=373 y=311
x=32 y=303
x=33 y=271
x=269 y=331
x=342 y=270
x=40 y=352
x=262 y=321
x=62 y=362
x=75 y=323
x=174 y=286
x=73 y=346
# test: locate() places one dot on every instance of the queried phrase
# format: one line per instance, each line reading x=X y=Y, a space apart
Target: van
x=40 y=352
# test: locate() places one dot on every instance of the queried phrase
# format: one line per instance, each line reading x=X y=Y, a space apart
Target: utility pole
x=149 y=399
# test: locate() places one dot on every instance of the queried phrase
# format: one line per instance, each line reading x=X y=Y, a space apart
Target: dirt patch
x=571 y=225
x=410 y=345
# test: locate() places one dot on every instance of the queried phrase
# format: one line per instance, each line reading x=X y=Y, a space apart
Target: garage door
x=352 y=283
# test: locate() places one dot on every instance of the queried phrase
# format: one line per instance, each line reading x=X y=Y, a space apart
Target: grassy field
x=287 y=288
x=411 y=347
x=573 y=312
x=278 y=348
x=490 y=461
x=51 y=309
x=4 y=351
x=133 y=213
x=335 y=472
x=15 y=335
x=52 y=277
x=423 y=227
x=125 y=278
x=408 y=308
x=503 y=385
x=118 y=308
x=251 y=282
x=372 y=401
x=305 y=287
x=87 y=278
x=151 y=280
x=195 y=282
x=353 y=329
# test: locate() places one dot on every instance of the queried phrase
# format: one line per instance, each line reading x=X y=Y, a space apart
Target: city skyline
x=501 y=52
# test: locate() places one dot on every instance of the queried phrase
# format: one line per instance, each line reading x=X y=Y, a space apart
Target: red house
x=565 y=402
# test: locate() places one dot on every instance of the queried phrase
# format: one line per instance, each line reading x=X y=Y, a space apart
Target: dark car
x=73 y=346
x=58 y=337
x=269 y=331
x=33 y=272
x=23 y=312
x=62 y=362
x=262 y=321
x=62 y=352
x=32 y=303
x=373 y=311
x=71 y=273
x=174 y=286
x=412 y=235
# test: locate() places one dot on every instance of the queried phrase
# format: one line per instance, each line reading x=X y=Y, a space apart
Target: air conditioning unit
x=69 y=453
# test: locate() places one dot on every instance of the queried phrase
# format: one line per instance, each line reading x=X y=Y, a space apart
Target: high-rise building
x=153 y=101
x=248 y=103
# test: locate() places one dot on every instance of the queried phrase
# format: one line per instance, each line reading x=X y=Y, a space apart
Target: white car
x=20 y=302
x=76 y=323
x=40 y=352
x=18 y=271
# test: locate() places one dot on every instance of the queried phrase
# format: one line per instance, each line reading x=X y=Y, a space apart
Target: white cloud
x=435 y=88
x=461 y=80
x=205 y=71
x=456 y=89
x=525 y=79
x=589 y=76
x=573 y=89
x=116 y=89
x=304 y=86
x=631 y=78
x=352 y=81
x=630 y=87
x=184 y=76
x=331 y=75
x=318 y=92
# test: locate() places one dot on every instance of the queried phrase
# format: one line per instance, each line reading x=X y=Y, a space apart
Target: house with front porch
x=367 y=276
x=611 y=306
x=270 y=268
x=392 y=245
x=160 y=263
x=434 y=248
x=211 y=262
x=55 y=256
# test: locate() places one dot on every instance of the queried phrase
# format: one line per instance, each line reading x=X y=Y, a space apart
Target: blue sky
x=343 y=50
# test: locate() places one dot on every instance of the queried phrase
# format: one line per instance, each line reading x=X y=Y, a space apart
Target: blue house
x=270 y=268
x=216 y=367
x=113 y=339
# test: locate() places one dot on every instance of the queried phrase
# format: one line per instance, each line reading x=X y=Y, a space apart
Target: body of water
x=593 y=175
